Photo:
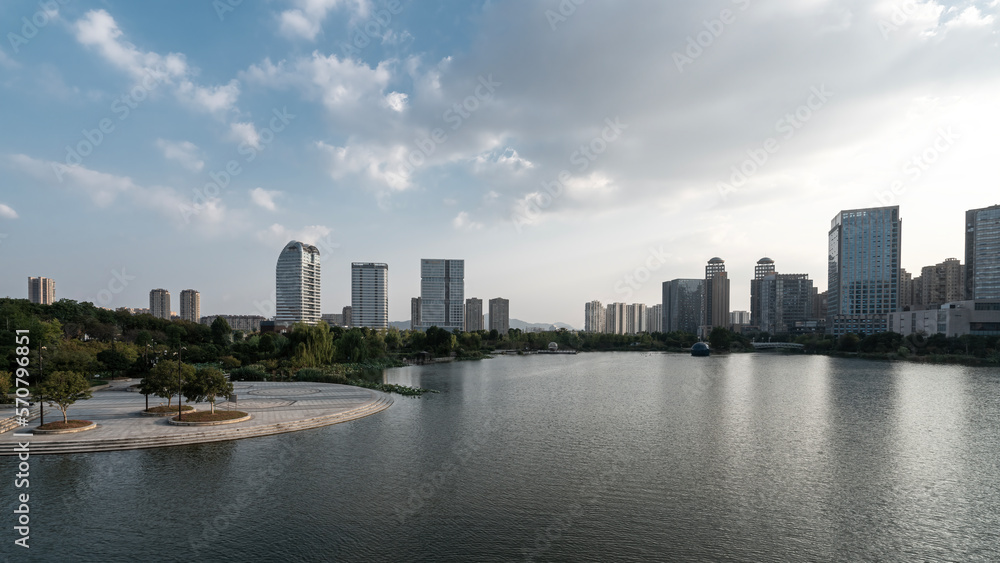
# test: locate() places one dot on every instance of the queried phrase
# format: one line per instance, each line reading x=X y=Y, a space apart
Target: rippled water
x=594 y=457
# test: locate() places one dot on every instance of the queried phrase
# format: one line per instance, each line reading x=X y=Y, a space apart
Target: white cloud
x=971 y=17
x=306 y=19
x=395 y=101
x=462 y=222
x=313 y=234
x=265 y=198
x=184 y=152
x=7 y=212
x=341 y=84
x=97 y=29
x=386 y=167
x=245 y=132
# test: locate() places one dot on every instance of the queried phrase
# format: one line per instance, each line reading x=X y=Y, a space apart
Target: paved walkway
x=275 y=408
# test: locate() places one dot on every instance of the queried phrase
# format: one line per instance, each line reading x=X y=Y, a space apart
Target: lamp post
x=180 y=414
x=41 y=374
x=145 y=361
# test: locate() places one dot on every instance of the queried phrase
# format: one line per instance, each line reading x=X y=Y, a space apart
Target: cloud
x=245 y=132
x=7 y=212
x=395 y=101
x=98 y=30
x=462 y=222
x=278 y=234
x=264 y=198
x=306 y=19
x=341 y=84
x=383 y=167
x=184 y=152
x=7 y=62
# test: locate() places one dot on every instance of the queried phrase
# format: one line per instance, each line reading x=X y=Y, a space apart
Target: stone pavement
x=275 y=407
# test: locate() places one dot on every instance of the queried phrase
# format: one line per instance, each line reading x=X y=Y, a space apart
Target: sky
x=567 y=150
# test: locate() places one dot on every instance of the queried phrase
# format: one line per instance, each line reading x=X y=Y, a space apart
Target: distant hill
x=514 y=323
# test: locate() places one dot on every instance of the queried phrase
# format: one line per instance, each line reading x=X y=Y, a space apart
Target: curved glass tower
x=297 y=285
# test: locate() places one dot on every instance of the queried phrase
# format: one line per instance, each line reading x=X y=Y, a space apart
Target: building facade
x=414 y=313
x=246 y=323
x=297 y=278
x=786 y=299
x=654 y=319
x=332 y=319
x=863 y=270
x=764 y=267
x=982 y=253
x=976 y=317
x=474 y=314
x=682 y=305
x=442 y=294
x=347 y=314
x=593 y=317
x=715 y=310
x=370 y=294
x=159 y=303
x=190 y=305
x=942 y=283
x=42 y=290
x=614 y=318
x=500 y=315
x=635 y=318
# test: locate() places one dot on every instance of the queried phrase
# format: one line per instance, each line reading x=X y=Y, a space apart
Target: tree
x=62 y=389
x=113 y=361
x=162 y=379
x=848 y=342
x=314 y=346
x=206 y=385
x=5 y=381
x=720 y=338
x=221 y=332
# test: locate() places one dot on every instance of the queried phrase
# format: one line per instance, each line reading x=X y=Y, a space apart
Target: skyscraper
x=593 y=317
x=682 y=304
x=764 y=267
x=863 y=270
x=635 y=318
x=982 y=253
x=414 y=313
x=784 y=300
x=370 y=294
x=654 y=319
x=614 y=318
x=715 y=312
x=298 y=285
x=941 y=283
x=442 y=294
x=190 y=305
x=42 y=290
x=159 y=303
x=500 y=315
x=473 y=314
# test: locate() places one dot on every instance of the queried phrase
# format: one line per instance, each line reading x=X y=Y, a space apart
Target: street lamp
x=180 y=414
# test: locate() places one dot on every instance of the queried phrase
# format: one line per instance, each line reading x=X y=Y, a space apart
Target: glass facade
x=370 y=294
x=682 y=302
x=298 y=289
x=982 y=253
x=442 y=294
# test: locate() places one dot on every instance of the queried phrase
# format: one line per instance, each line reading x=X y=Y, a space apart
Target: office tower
x=982 y=253
x=863 y=270
x=593 y=317
x=159 y=303
x=500 y=315
x=635 y=318
x=442 y=294
x=414 y=313
x=682 y=303
x=190 y=305
x=370 y=294
x=347 y=314
x=614 y=319
x=764 y=267
x=942 y=283
x=654 y=319
x=785 y=299
x=298 y=285
x=473 y=314
x=42 y=290
x=715 y=311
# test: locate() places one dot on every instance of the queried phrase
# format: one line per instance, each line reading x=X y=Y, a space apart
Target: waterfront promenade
x=275 y=407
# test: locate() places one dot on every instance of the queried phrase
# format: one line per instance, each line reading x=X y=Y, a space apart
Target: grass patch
x=163 y=409
x=65 y=425
x=208 y=416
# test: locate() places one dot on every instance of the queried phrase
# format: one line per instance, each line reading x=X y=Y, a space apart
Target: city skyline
x=142 y=140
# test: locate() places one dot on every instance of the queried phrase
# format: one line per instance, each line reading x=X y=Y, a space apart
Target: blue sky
x=564 y=150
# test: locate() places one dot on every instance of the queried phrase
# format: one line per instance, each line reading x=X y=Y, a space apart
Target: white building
x=42 y=290
x=298 y=285
x=442 y=294
x=500 y=315
x=635 y=318
x=654 y=319
x=593 y=317
x=159 y=303
x=370 y=294
x=190 y=305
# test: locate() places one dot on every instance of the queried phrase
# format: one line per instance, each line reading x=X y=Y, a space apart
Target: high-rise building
x=863 y=270
x=614 y=318
x=190 y=305
x=347 y=315
x=414 y=313
x=635 y=318
x=473 y=314
x=654 y=319
x=942 y=283
x=370 y=294
x=42 y=290
x=739 y=318
x=715 y=311
x=682 y=305
x=785 y=299
x=442 y=294
x=500 y=315
x=764 y=267
x=246 y=323
x=593 y=317
x=159 y=303
x=298 y=285
x=982 y=253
